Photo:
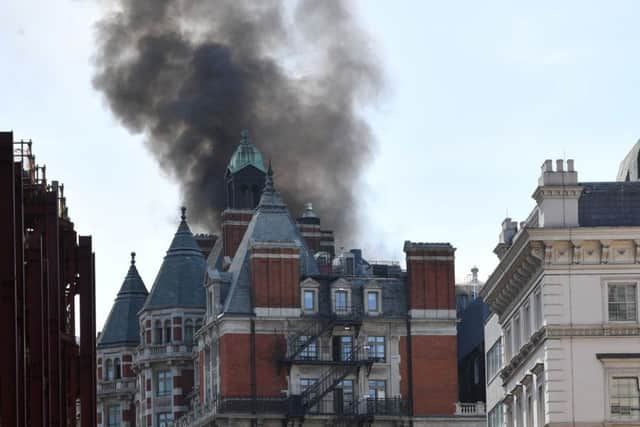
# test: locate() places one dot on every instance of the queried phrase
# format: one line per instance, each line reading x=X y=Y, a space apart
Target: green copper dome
x=246 y=154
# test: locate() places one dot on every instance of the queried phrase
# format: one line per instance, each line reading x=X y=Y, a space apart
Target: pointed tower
x=263 y=285
x=115 y=348
x=171 y=314
x=244 y=182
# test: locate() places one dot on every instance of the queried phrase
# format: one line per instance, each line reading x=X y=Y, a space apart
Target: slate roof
x=609 y=204
x=179 y=282
x=121 y=327
x=272 y=222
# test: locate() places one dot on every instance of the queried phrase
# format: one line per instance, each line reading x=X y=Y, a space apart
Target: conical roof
x=179 y=282
x=271 y=222
x=245 y=155
x=121 y=327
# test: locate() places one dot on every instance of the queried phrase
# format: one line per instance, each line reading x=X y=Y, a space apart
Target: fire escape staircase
x=348 y=364
x=297 y=343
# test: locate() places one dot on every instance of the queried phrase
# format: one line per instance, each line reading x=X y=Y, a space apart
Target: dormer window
x=309 y=296
x=341 y=296
x=373 y=298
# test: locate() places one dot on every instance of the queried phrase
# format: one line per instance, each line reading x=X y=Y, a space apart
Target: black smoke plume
x=192 y=74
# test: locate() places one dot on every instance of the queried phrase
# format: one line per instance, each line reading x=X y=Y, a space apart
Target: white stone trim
x=430 y=258
x=277 y=312
x=432 y=314
x=234 y=222
x=275 y=256
x=441 y=328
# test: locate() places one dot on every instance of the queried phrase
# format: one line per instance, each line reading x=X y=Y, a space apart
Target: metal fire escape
x=347 y=363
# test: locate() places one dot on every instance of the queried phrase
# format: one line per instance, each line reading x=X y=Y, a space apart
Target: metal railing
x=470 y=409
x=233 y=404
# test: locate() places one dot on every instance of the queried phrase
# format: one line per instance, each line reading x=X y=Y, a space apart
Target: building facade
x=274 y=329
x=47 y=288
x=562 y=341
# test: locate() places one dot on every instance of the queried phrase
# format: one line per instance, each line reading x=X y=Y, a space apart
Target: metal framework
x=47 y=371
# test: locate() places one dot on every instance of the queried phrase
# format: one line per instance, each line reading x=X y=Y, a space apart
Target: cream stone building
x=563 y=342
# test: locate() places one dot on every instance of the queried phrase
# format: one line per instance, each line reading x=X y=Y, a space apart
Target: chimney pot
x=570 y=165
x=559 y=165
x=547 y=166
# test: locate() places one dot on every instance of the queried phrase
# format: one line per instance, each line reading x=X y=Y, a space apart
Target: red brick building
x=46 y=282
x=286 y=333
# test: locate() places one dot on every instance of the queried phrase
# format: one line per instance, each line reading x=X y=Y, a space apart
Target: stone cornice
x=520 y=265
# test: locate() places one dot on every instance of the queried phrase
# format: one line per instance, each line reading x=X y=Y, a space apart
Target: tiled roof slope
x=180 y=280
x=121 y=327
x=609 y=204
x=271 y=222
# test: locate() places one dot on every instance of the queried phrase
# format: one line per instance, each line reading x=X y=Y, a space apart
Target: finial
x=244 y=136
x=184 y=213
x=133 y=258
x=268 y=183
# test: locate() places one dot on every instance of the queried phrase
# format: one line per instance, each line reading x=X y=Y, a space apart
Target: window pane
x=310 y=352
x=372 y=301
x=624 y=397
x=377 y=389
x=309 y=303
x=622 y=302
x=376 y=348
x=341 y=300
x=346 y=348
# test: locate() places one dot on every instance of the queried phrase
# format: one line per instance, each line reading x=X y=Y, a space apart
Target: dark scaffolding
x=47 y=367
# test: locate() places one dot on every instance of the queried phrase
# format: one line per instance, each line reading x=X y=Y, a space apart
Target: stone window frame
x=606 y=283
x=341 y=285
x=612 y=373
x=166 y=391
x=310 y=285
x=376 y=288
x=491 y=356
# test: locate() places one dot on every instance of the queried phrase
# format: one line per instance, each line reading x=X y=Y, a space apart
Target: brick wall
x=275 y=276
x=270 y=378
x=234 y=225
x=430 y=276
x=235 y=375
x=435 y=374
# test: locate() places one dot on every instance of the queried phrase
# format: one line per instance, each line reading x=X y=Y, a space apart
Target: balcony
x=123 y=385
x=164 y=351
x=470 y=409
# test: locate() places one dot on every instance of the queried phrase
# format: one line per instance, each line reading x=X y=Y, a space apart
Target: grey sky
x=479 y=94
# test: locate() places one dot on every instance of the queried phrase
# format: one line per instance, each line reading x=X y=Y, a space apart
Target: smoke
x=192 y=74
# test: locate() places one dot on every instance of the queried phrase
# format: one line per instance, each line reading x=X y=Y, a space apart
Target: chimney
x=509 y=230
x=431 y=344
x=557 y=195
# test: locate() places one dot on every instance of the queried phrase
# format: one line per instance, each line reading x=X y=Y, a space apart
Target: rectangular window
x=507 y=344
x=346 y=348
x=494 y=359
x=305 y=383
x=377 y=389
x=376 y=348
x=165 y=419
x=310 y=352
x=309 y=300
x=537 y=302
x=622 y=302
x=516 y=334
x=624 y=397
x=526 y=323
x=164 y=383
x=340 y=301
x=113 y=416
x=372 y=301
x=496 y=417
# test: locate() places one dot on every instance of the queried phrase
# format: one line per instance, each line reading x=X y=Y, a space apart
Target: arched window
x=116 y=368
x=157 y=336
x=109 y=370
x=188 y=331
x=167 y=331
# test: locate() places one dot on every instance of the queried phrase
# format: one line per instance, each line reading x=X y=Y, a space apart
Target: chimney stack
x=557 y=195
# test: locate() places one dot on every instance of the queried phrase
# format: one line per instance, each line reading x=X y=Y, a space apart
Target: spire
x=121 y=327
x=183 y=217
x=268 y=182
x=244 y=137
